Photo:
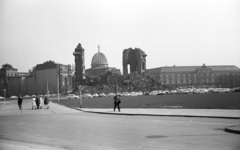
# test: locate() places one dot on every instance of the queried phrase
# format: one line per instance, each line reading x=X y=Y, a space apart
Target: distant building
x=8 y=74
x=42 y=77
x=198 y=76
x=99 y=66
x=48 y=73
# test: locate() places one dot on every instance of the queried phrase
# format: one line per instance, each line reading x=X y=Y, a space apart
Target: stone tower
x=136 y=58
x=79 y=64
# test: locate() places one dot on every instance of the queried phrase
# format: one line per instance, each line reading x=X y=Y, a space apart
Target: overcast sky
x=170 y=32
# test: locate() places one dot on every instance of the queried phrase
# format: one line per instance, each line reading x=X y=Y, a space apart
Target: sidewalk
x=207 y=113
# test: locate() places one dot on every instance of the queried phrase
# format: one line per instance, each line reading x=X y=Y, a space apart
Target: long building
x=198 y=76
x=46 y=77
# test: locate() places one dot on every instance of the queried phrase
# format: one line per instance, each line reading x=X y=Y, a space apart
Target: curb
x=132 y=114
x=232 y=129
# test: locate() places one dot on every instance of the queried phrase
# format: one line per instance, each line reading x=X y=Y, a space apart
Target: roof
x=99 y=59
x=193 y=68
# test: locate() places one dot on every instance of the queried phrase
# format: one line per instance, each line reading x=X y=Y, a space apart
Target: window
x=175 y=81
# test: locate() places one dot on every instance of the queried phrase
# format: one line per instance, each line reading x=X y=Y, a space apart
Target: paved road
x=60 y=127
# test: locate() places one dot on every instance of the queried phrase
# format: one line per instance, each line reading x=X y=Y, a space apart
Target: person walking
x=117 y=102
x=41 y=102
x=20 y=101
x=34 y=106
x=37 y=102
x=46 y=101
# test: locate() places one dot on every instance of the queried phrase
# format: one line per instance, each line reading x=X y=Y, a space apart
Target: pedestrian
x=117 y=102
x=37 y=101
x=41 y=102
x=46 y=101
x=20 y=101
x=34 y=106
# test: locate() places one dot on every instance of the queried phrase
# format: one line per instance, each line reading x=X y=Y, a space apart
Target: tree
x=7 y=66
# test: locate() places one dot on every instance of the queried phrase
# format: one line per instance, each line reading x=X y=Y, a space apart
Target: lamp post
x=47 y=90
x=80 y=95
x=57 y=88
x=58 y=73
x=4 y=93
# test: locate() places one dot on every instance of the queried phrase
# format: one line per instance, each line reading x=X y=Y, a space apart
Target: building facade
x=44 y=78
x=7 y=75
x=198 y=76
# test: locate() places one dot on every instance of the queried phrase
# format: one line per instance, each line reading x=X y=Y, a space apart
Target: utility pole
x=58 y=82
x=47 y=90
x=80 y=95
x=4 y=93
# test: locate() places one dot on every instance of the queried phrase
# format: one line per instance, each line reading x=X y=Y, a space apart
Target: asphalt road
x=60 y=127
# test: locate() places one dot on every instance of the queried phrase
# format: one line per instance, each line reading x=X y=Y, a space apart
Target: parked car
x=153 y=93
x=133 y=94
x=13 y=96
x=110 y=94
x=1 y=97
x=200 y=91
x=26 y=96
x=95 y=95
x=119 y=93
x=125 y=94
x=87 y=95
x=160 y=92
x=224 y=90
x=70 y=96
x=173 y=92
x=102 y=95
x=140 y=93
x=146 y=93
x=236 y=89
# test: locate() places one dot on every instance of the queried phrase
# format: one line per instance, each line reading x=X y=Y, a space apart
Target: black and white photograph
x=119 y=74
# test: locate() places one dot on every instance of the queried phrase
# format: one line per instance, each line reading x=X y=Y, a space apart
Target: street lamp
x=47 y=89
x=58 y=73
x=4 y=93
x=80 y=95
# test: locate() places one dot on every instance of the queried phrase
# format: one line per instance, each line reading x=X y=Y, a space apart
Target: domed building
x=99 y=60
x=99 y=65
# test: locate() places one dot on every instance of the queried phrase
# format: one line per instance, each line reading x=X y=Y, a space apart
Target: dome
x=99 y=60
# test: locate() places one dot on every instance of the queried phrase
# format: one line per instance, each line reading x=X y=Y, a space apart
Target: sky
x=170 y=32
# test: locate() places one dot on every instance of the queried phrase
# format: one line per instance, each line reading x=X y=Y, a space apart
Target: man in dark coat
x=20 y=101
x=37 y=101
x=46 y=101
x=117 y=102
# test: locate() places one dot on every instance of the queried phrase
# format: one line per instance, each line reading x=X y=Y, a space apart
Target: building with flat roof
x=198 y=76
x=42 y=79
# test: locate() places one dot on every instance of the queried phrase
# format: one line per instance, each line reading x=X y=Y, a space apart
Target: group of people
x=40 y=102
